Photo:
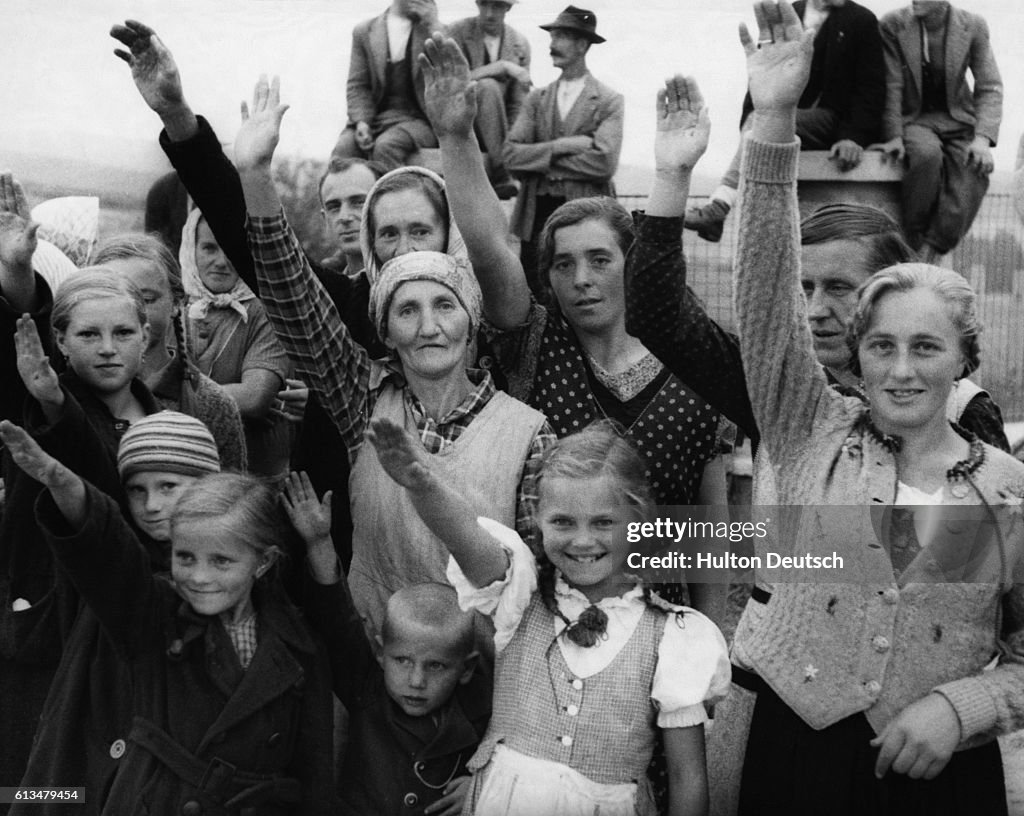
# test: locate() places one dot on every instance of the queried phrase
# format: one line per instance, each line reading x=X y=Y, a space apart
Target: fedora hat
x=582 y=21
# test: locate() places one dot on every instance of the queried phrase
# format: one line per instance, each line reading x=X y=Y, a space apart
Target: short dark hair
x=873 y=228
x=594 y=208
x=339 y=164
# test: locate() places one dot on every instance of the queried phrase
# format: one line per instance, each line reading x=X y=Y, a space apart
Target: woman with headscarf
x=426 y=305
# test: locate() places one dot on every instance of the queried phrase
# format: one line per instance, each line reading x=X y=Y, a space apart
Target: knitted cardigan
x=864 y=642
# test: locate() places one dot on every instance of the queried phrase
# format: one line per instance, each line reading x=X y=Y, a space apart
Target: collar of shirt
x=399 y=30
x=492 y=45
x=569 y=91
x=437 y=434
x=624 y=613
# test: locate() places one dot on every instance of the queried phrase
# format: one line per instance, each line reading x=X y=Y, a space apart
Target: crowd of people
x=349 y=535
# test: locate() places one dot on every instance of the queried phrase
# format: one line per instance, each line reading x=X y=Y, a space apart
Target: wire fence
x=991 y=257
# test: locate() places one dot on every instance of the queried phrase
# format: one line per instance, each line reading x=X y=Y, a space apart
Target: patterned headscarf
x=438 y=267
x=200 y=298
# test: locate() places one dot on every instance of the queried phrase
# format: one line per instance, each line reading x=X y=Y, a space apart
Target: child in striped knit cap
x=219 y=687
x=159 y=456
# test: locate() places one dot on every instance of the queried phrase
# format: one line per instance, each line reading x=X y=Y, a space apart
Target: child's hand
x=310 y=518
x=34 y=366
x=451 y=803
x=312 y=521
x=400 y=454
x=32 y=459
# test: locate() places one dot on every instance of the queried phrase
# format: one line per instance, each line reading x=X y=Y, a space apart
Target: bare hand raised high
x=153 y=67
x=683 y=126
x=261 y=126
x=450 y=95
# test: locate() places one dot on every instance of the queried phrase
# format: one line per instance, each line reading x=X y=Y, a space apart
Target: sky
x=73 y=101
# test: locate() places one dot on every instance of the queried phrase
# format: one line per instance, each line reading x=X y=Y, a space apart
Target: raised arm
x=661 y=310
x=451 y=107
x=328 y=603
x=189 y=142
x=787 y=386
x=441 y=506
x=303 y=316
x=21 y=292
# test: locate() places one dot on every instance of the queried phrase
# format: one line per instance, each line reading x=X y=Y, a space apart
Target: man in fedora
x=565 y=143
x=499 y=61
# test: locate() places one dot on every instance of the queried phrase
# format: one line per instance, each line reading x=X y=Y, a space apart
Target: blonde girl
x=229 y=689
x=589 y=663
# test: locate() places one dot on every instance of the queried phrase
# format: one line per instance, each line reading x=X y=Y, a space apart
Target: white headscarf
x=200 y=298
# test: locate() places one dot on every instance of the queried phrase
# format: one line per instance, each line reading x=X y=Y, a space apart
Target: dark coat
x=205 y=731
x=394 y=764
x=847 y=72
x=31 y=641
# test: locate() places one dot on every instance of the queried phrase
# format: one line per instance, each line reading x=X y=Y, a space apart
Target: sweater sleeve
x=310 y=327
x=788 y=388
x=669 y=319
x=213 y=183
x=992 y=702
x=332 y=615
x=108 y=567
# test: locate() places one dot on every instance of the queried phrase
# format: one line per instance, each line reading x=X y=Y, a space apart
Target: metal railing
x=991 y=257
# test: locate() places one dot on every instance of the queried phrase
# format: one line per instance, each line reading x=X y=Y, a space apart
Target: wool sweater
x=866 y=642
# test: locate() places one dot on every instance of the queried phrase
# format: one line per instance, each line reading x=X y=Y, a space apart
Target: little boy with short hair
x=417 y=706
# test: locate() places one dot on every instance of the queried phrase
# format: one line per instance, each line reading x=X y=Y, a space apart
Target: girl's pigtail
x=179 y=339
x=592 y=625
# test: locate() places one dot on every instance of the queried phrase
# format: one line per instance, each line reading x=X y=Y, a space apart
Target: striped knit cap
x=168 y=442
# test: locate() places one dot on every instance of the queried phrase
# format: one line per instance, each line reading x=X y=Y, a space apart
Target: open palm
x=449 y=94
x=779 y=64
x=261 y=126
x=683 y=125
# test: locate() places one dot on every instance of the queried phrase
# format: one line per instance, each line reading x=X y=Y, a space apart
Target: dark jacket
x=394 y=764
x=847 y=72
x=204 y=730
x=31 y=641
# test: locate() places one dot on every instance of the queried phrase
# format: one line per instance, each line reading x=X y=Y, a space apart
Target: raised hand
x=34 y=366
x=310 y=517
x=153 y=67
x=12 y=197
x=17 y=242
x=683 y=125
x=261 y=126
x=779 y=63
x=449 y=95
x=400 y=453
x=32 y=459
x=423 y=13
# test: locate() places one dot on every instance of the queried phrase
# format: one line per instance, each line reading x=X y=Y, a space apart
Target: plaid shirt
x=339 y=371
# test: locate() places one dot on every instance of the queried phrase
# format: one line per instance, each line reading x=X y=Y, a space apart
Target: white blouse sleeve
x=506 y=599
x=693 y=668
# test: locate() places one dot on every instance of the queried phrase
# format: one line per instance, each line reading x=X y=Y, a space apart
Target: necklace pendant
x=960 y=490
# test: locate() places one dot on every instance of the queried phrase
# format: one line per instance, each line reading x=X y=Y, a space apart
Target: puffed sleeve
x=506 y=599
x=693 y=668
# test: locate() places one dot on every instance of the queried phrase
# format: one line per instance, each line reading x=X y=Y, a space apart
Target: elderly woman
x=878 y=685
x=425 y=305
